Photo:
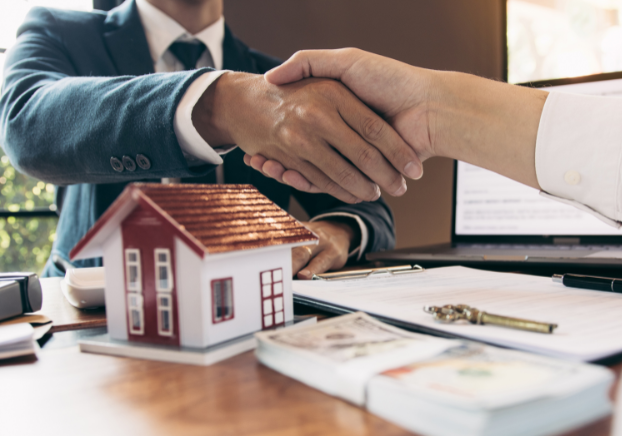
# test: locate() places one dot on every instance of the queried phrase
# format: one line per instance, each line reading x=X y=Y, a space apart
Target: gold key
x=450 y=313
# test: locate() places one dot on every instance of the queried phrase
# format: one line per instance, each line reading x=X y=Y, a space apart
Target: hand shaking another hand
x=483 y=122
x=398 y=92
x=315 y=127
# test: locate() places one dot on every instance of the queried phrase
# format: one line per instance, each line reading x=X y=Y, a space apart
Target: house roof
x=211 y=218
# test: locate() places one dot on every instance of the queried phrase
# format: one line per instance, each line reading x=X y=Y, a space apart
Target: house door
x=151 y=293
x=272 y=304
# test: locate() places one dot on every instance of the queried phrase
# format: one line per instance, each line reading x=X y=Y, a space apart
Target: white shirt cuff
x=358 y=251
x=192 y=144
x=579 y=153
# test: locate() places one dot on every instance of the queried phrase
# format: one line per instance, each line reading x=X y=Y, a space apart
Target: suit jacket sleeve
x=64 y=129
x=376 y=214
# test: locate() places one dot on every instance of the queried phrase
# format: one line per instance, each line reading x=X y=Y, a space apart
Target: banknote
x=477 y=371
x=346 y=338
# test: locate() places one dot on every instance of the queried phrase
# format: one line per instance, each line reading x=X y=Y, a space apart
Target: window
x=133 y=276
x=562 y=38
x=165 y=314
x=164 y=274
x=272 y=303
x=27 y=213
x=135 y=312
x=222 y=300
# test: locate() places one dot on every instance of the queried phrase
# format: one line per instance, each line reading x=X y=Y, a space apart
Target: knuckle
x=290 y=136
x=368 y=157
x=373 y=128
x=310 y=114
x=350 y=51
x=346 y=177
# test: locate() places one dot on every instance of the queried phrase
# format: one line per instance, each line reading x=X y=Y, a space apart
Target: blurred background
x=514 y=40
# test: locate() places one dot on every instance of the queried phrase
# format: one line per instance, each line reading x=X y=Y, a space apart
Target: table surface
x=63 y=315
x=65 y=392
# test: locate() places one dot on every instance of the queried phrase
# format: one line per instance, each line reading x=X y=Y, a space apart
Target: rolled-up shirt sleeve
x=579 y=153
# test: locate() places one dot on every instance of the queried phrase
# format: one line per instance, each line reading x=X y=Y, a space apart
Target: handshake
x=347 y=122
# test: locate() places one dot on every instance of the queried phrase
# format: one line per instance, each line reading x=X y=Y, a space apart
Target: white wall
x=189 y=296
x=115 y=287
x=244 y=267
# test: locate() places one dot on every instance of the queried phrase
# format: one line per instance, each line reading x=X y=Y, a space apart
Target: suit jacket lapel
x=125 y=38
x=236 y=56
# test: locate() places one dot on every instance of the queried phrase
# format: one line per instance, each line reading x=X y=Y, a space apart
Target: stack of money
x=436 y=386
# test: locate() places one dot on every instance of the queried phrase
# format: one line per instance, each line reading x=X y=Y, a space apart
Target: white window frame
x=167 y=265
x=138 y=306
x=169 y=309
x=128 y=264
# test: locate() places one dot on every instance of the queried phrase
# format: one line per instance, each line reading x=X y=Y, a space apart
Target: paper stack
x=16 y=340
x=436 y=386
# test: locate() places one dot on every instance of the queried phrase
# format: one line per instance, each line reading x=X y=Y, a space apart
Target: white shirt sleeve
x=358 y=251
x=579 y=153
x=192 y=144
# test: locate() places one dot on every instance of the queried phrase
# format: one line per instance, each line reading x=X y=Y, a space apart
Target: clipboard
x=365 y=273
x=312 y=304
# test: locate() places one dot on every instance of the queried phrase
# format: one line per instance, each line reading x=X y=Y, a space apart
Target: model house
x=194 y=265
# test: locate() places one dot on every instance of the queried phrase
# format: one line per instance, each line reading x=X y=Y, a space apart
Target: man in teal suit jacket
x=82 y=108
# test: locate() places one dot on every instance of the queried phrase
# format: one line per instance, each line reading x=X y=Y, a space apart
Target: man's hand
x=316 y=127
x=399 y=92
x=336 y=241
x=483 y=122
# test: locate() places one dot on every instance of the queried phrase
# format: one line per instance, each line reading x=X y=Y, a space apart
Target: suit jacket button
x=143 y=161
x=129 y=163
x=116 y=164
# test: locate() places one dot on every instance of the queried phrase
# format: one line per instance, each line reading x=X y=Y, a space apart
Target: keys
x=450 y=313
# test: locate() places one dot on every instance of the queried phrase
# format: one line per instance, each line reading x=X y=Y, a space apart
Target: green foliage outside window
x=25 y=243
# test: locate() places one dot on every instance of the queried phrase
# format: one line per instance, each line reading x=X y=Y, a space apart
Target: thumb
x=330 y=64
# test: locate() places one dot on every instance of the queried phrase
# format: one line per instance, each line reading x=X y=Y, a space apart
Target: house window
x=165 y=314
x=135 y=312
x=164 y=272
x=132 y=270
x=272 y=304
x=222 y=300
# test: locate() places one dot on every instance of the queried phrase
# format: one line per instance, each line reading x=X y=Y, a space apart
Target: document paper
x=590 y=322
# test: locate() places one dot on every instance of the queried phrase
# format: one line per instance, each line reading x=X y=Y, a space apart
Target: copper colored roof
x=215 y=218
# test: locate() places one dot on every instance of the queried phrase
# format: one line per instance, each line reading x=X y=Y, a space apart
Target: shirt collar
x=161 y=31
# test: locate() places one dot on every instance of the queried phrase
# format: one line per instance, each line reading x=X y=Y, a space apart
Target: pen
x=589 y=282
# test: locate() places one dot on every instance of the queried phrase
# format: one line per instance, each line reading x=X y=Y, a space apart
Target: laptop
x=500 y=222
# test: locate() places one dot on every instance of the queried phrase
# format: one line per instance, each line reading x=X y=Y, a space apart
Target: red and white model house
x=194 y=265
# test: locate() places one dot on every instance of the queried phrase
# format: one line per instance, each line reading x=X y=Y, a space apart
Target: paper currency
x=348 y=338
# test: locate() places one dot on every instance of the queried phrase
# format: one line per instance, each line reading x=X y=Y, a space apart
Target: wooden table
x=65 y=392
x=64 y=316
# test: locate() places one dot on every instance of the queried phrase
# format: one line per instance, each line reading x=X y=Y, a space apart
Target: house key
x=450 y=313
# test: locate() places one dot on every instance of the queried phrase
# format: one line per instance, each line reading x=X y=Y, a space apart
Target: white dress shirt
x=579 y=153
x=161 y=31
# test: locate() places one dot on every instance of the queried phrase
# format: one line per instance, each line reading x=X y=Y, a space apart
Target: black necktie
x=189 y=53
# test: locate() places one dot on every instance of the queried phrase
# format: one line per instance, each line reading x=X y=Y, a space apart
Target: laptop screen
x=489 y=204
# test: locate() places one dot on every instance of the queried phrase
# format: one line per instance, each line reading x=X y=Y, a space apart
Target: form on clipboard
x=590 y=324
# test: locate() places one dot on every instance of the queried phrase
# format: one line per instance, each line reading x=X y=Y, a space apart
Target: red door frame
x=147 y=231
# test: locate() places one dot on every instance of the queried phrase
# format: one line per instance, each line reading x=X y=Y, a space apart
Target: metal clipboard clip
x=364 y=273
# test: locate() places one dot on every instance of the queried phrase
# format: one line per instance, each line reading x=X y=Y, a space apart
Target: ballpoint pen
x=589 y=282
